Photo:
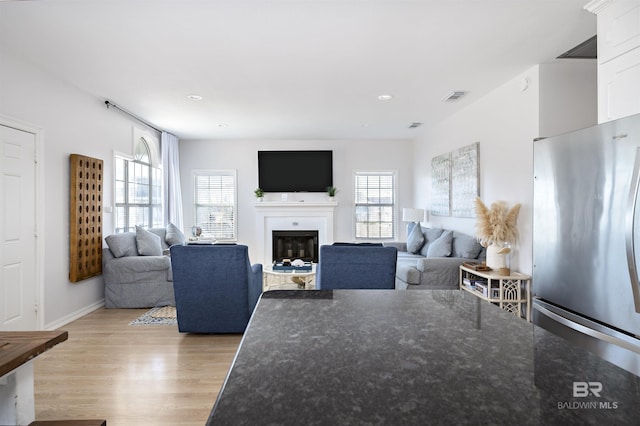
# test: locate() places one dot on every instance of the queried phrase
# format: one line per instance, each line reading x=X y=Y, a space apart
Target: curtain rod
x=110 y=104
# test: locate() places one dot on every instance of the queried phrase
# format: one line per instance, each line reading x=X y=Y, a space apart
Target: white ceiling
x=290 y=69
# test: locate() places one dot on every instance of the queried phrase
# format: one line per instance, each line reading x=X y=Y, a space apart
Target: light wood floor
x=131 y=375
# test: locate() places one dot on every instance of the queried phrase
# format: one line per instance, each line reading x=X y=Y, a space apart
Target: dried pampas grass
x=496 y=225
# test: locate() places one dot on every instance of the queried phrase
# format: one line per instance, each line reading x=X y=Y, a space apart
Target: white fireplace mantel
x=291 y=216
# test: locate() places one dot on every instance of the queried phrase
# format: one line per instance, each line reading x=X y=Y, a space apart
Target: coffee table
x=288 y=280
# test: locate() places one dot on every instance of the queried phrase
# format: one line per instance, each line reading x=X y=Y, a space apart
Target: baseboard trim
x=74 y=316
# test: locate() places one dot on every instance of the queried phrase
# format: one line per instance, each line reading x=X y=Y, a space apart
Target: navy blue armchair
x=356 y=266
x=215 y=286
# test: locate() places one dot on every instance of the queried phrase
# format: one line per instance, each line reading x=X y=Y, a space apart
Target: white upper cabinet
x=618 y=57
x=619 y=87
x=618 y=28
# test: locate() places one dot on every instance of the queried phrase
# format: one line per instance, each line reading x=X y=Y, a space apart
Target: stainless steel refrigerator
x=586 y=239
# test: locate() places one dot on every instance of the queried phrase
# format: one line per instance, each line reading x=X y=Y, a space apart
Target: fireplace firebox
x=295 y=245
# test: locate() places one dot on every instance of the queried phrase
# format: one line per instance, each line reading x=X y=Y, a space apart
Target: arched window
x=138 y=184
x=142 y=154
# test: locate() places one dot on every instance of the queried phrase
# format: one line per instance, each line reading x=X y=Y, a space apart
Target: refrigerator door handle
x=630 y=231
x=587 y=328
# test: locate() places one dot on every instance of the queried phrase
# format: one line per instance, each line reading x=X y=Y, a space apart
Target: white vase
x=496 y=260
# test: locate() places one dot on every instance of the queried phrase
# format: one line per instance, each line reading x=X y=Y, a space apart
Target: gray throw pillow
x=174 y=235
x=149 y=244
x=431 y=235
x=160 y=232
x=123 y=244
x=442 y=246
x=415 y=240
x=465 y=246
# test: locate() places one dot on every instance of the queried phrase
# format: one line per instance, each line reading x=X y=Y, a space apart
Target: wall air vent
x=454 y=96
x=414 y=125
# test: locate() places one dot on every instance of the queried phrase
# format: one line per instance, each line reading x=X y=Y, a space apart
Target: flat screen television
x=295 y=171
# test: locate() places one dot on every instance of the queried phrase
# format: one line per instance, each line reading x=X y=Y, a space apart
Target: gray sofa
x=137 y=268
x=434 y=263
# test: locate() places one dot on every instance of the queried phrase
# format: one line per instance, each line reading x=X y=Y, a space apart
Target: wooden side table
x=511 y=292
x=17 y=349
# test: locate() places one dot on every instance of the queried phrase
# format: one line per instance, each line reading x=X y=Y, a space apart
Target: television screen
x=295 y=171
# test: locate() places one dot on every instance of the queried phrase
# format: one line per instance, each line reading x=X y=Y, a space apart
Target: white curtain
x=172 y=200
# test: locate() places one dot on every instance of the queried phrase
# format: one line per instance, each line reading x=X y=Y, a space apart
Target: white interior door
x=18 y=301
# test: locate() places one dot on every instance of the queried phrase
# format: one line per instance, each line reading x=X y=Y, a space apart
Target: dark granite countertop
x=388 y=357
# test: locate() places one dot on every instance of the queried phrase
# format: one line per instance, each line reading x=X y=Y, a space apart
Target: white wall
x=73 y=122
x=348 y=156
x=505 y=122
x=568 y=96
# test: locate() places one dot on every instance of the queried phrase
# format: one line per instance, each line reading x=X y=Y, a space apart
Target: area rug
x=163 y=312
x=162 y=315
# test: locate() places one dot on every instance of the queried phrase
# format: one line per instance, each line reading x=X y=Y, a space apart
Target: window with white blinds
x=375 y=195
x=215 y=203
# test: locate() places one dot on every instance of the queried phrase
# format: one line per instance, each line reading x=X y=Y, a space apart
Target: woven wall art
x=85 y=213
x=465 y=177
x=455 y=178
x=441 y=185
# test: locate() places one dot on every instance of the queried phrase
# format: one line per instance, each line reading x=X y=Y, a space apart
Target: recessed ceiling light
x=194 y=97
x=385 y=97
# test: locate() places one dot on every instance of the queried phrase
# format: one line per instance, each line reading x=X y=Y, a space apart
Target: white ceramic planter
x=496 y=260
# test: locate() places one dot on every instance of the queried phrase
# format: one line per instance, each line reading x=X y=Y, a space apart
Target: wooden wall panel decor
x=85 y=217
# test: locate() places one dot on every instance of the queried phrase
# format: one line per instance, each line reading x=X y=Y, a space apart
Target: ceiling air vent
x=454 y=96
x=414 y=125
